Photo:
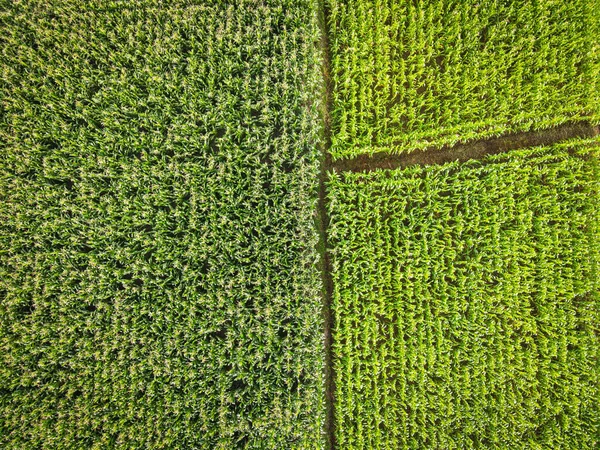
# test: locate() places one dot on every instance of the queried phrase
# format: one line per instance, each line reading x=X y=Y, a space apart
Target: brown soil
x=323 y=223
x=467 y=151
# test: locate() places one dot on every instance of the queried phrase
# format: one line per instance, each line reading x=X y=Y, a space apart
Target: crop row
x=466 y=303
x=410 y=75
x=158 y=286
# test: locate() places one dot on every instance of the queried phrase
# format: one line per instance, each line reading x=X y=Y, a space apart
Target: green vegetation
x=158 y=182
x=466 y=303
x=409 y=75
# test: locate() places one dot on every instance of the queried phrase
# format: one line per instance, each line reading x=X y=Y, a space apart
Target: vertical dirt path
x=323 y=223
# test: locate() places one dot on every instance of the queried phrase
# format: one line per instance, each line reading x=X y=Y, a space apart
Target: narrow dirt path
x=323 y=223
x=467 y=151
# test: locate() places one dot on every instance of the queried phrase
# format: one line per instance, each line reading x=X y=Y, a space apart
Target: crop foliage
x=158 y=182
x=466 y=303
x=410 y=75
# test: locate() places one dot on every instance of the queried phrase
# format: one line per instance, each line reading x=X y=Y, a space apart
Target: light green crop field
x=466 y=303
x=158 y=186
x=409 y=75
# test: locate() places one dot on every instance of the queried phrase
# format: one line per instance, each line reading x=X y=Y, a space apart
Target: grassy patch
x=466 y=303
x=158 y=182
x=413 y=75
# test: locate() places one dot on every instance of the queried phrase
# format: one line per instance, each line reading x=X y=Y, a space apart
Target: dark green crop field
x=408 y=75
x=158 y=186
x=466 y=303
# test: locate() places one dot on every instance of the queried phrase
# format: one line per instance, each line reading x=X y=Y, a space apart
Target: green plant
x=466 y=303
x=409 y=75
x=158 y=182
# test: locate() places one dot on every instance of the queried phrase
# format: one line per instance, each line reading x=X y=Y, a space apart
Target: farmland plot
x=158 y=179
x=409 y=75
x=466 y=303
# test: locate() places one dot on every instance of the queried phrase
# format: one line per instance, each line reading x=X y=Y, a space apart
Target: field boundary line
x=467 y=151
x=323 y=223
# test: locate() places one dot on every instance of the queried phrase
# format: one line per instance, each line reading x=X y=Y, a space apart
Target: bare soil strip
x=467 y=151
x=323 y=223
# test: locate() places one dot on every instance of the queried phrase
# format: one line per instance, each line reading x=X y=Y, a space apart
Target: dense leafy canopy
x=414 y=74
x=466 y=303
x=158 y=177
x=159 y=276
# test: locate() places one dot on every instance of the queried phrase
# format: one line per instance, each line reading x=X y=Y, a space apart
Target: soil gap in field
x=467 y=151
x=323 y=222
